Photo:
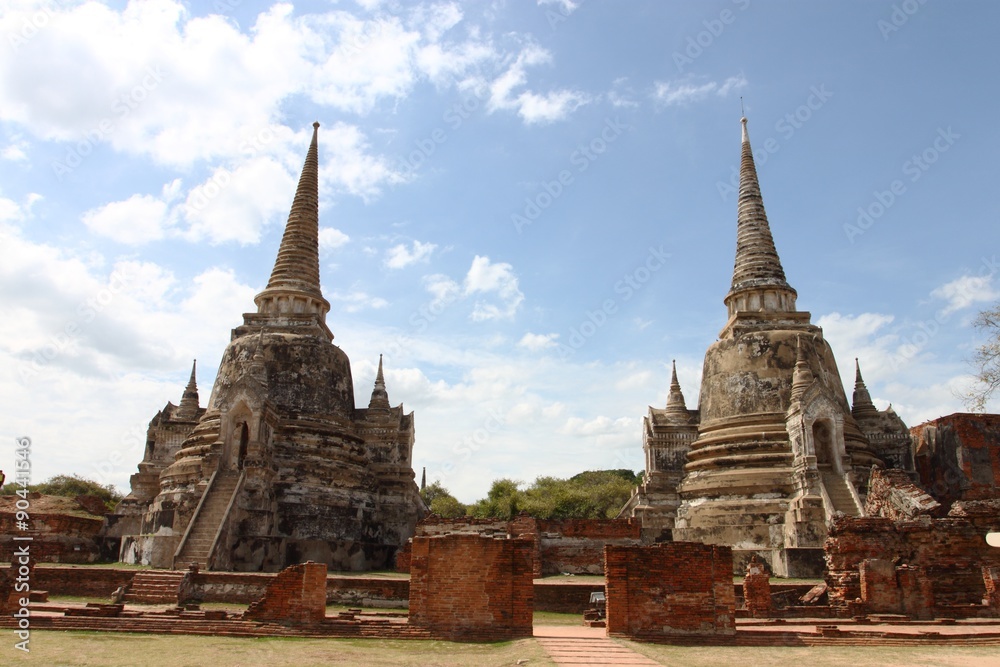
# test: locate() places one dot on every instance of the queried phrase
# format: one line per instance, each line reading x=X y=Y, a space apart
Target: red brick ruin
x=933 y=560
x=570 y=546
x=297 y=595
x=674 y=589
x=757 y=589
x=472 y=587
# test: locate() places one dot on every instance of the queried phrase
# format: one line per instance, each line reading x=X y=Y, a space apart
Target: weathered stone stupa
x=773 y=449
x=282 y=467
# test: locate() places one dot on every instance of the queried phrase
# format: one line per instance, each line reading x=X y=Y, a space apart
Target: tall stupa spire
x=758 y=279
x=294 y=283
x=189 y=399
x=862 y=401
x=675 y=400
x=380 y=397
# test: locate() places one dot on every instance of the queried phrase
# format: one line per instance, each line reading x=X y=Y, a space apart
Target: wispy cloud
x=567 y=7
x=399 y=256
x=537 y=342
x=532 y=106
x=495 y=286
x=680 y=93
x=356 y=300
x=966 y=291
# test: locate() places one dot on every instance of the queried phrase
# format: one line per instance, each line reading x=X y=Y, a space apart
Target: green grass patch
x=91 y=649
x=818 y=656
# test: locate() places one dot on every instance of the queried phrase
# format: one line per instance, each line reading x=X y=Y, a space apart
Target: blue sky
x=527 y=207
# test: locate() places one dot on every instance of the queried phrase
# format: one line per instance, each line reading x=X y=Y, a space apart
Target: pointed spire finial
x=862 y=405
x=189 y=399
x=295 y=276
x=380 y=397
x=423 y=480
x=757 y=268
x=675 y=400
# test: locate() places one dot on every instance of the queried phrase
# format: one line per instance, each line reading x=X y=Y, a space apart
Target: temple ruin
x=281 y=467
x=774 y=449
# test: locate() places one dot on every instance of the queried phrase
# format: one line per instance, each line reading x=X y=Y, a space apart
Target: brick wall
x=893 y=495
x=297 y=595
x=574 y=546
x=958 y=456
x=671 y=589
x=951 y=551
x=472 y=587
x=577 y=546
x=890 y=589
x=757 y=589
x=96 y=582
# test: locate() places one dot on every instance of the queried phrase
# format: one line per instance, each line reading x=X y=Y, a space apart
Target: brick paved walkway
x=589 y=647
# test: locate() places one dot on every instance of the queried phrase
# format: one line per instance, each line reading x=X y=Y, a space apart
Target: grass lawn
x=86 y=649
x=74 y=649
x=819 y=656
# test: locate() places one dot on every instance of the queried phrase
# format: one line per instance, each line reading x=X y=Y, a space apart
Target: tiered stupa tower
x=777 y=450
x=282 y=467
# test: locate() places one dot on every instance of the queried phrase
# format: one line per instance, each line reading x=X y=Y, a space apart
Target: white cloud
x=538 y=342
x=331 y=238
x=485 y=278
x=137 y=220
x=966 y=291
x=599 y=425
x=399 y=256
x=442 y=288
x=674 y=93
x=567 y=7
x=531 y=106
x=356 y=300
x=495 y=287
x=15 y=151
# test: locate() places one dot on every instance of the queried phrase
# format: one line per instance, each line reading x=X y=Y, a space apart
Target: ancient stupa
x=773 y=450
x=281 y=467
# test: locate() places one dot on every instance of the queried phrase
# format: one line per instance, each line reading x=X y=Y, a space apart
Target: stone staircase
x=840 y=494
x=206 y=522
x=154 y=587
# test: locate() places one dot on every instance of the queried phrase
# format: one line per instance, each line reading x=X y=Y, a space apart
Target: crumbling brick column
x=470 y=587
x=297 y=595
x=991 y=577
x=671 y=589
x=757 y=589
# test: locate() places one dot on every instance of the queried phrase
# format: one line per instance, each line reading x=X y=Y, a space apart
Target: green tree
x=503 y=501
x=595 y=494
x=441 y=502
x=447 y=507
x=986 y=361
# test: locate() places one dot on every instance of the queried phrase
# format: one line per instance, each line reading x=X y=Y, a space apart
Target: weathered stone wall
x=951 y=551
x=472 y=587
x=297 y=595
x=671 y=589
